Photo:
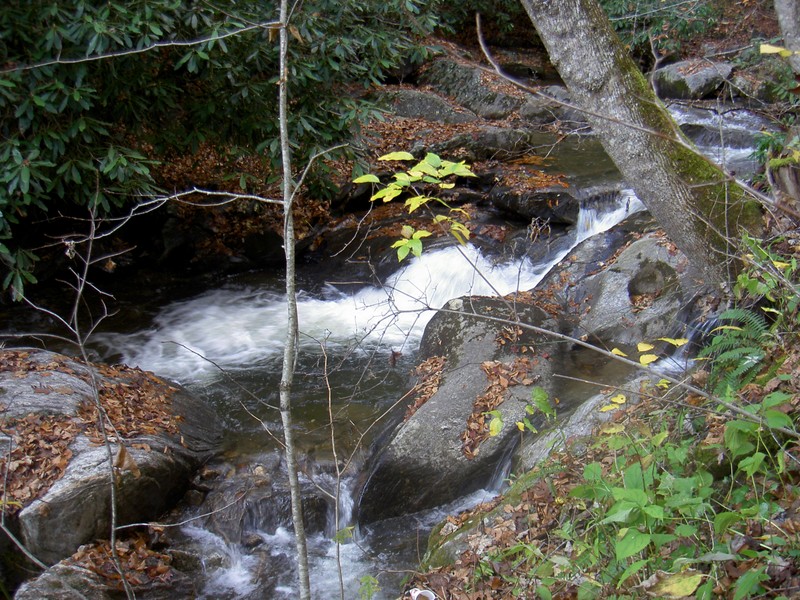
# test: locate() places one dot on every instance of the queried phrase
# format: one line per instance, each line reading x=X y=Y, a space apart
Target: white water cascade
x=239 y=327
x=242 y=328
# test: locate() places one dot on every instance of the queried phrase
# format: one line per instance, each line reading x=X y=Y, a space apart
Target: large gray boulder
x=425 y=463
x=615 y=288
x=472 y=87
x=691 y=79
x=166 y=435
x=68 y=581
x=419 y=104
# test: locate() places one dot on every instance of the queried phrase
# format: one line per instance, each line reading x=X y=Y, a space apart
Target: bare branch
x=134 y=51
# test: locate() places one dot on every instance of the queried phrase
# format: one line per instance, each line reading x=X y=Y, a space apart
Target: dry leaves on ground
x=142 y=565
x=501 y=376
x=430 y=372
x=135 y=402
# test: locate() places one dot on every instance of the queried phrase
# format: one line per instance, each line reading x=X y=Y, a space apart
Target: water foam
x=241 y=327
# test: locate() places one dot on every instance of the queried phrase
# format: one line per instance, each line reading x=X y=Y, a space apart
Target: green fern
x=737 y=350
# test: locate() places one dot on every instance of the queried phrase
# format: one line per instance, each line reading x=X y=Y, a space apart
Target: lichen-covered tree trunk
x=789 y=20
x=696 y=204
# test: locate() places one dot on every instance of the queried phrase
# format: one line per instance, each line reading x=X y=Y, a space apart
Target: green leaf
x=424 y=168
x=368 y=178
x=632 y=542
x=686 y=530
x=433 y=160
x=496 y=424
x=593 y=472
x=752 y=463
x=723 y=520
x=631 y=570
x=402 y=251
x=388 y=193
x=397 y=156
x=776 y=418
x=655 y=511
x=414 y=203
x=748 y=583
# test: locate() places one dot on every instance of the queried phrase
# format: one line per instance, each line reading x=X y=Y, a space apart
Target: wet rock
x=254 y=498
x=553 y=104
x=469 y=86
x=691 y=79
x=75 y=509
x=65 y=581
x=615 y=288
x=484 y=143
x=553 y=204
x=416 y=104
x=424 y=463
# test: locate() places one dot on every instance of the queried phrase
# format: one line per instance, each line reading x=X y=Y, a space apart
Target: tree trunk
x=290 y=349
x=697 y=205
x=789 y=20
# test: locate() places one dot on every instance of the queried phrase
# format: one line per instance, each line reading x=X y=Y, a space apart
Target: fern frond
x=753 y=324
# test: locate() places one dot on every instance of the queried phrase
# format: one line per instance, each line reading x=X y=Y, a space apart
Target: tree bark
x=789 y=21
x=290 y=348
x=698 y=206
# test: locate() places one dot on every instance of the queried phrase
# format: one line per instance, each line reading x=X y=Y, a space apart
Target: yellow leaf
x=663 y=384
x=296 y=33
x=611 y=428
x=643 y=347
x=770 y=49
x=672 y=585
x=677 y=342
x=646 y=359
x=608 y=407
x=618 y=352
x=520 y=425
x=618 y=399
x=780 y=264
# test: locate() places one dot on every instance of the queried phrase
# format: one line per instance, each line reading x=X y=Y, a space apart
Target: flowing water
x=356 y=350
x=225 y=345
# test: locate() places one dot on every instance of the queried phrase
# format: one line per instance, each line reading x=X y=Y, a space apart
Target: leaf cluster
x=664 y=24
x=94 y=96
x=432 y=171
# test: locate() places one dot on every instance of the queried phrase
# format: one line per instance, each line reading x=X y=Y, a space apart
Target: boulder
x=553 y=104
x=426 y=462
x=166 y=435
x=68 y=581
x=418 y=104
x=485 y=143
x=691 y=79
x=472 y=87
x=616 y=288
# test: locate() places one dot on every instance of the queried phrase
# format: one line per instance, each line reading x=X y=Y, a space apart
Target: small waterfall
x=600 y=214
x=241 y=326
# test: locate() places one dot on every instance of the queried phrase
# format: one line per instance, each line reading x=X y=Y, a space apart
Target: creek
x=357 y=349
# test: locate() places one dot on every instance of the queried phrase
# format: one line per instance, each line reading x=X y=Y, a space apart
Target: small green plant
x=369 y=587
x=540 y=401
x=432 y=171
x=737 y=350
x=771 y=280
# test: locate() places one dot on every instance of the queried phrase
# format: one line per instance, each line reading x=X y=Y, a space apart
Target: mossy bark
x=699 y=206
